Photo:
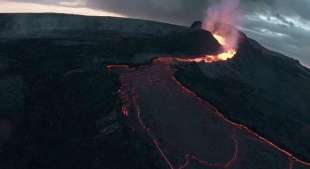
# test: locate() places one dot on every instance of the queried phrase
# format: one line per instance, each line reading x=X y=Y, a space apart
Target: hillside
x=64 y=81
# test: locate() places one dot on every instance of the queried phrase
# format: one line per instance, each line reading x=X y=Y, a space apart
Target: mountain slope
x=264 y=90
x=60 y=107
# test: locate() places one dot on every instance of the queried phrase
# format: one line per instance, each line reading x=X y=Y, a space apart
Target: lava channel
x=188 y=130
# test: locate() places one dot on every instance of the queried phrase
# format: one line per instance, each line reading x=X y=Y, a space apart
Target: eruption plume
x=221 y=22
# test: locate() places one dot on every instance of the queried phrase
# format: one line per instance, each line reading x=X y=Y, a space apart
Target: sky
x=280 y=25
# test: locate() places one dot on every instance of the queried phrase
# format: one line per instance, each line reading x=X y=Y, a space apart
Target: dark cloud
x=176 y=11
x=282 y=25
x=289 y=35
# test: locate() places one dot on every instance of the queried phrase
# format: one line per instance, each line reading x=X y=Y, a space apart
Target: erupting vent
x=227 y=54
x=221 y=21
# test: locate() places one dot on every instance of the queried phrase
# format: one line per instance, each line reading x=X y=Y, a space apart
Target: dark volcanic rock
x=196 y=25
x=60 y=107
x=191 y=42
x=72 y=121
x=262 y=89
x=100 y=39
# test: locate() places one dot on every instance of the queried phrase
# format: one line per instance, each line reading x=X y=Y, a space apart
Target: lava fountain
x=221 y=22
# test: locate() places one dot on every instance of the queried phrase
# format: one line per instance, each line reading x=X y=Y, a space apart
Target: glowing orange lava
x=219 y=38
x=227 y=54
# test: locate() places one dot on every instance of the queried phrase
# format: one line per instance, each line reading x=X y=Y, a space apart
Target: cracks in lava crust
x=188 y=157
x=292 y=159
x=130 y=97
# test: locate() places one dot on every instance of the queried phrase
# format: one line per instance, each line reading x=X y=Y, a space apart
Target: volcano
x=103 y=92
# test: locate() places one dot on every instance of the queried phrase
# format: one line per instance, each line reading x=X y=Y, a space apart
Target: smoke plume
x=222 y=20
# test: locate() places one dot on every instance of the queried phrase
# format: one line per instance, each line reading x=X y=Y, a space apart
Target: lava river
x=187 y=131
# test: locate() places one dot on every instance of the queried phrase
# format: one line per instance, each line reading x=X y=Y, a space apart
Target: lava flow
x=228 y=53
x=221 y=20
x=187 y=130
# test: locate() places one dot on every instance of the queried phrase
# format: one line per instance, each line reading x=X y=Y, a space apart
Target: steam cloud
x=223 y=19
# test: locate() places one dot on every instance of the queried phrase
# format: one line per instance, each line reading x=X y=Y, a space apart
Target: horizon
x=270 y=39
